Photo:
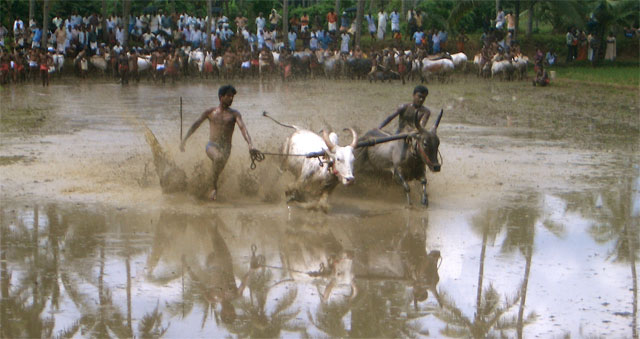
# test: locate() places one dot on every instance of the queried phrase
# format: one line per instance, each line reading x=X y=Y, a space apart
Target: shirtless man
x=123 y=66
x=45 y=61
x=407 y=114
x=222 y=121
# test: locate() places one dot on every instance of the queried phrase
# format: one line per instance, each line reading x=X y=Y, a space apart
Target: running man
x=222 y=121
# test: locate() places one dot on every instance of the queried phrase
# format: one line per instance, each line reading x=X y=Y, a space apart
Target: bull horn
x=417 y=123
x=354 y=135
x=327 y=141
x=435 y=127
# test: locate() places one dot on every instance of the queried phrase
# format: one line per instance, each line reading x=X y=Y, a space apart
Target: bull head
x=341 y=157
x=428 y=143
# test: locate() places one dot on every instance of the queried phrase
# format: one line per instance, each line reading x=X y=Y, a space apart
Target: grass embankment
x=608 y=74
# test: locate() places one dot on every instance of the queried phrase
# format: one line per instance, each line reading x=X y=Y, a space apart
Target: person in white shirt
x=196 y=38
x=382 y=24
x=395 y=21
x=57 y=21
x=18 y=26
x=245 y=34
x=155 y=24
x=260 y=22
x=313 y=43
x=500 y=18
x=344 y=43
x=268 y=39
x=120 y=35
x=371 y=24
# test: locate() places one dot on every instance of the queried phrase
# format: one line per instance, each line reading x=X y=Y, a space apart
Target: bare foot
x=213 y=195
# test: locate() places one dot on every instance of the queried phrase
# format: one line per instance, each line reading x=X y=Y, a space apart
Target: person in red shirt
x=332 y=20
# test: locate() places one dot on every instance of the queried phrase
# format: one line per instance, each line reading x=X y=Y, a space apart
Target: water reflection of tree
x=382 y=309
x=491 y=316
x=615 y=221
x=67 y=238
x=254 y=322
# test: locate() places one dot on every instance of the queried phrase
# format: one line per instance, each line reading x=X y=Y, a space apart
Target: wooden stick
x=180 y=119
x=375 y=141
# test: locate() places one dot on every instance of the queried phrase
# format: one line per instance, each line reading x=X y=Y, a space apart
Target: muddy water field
x=532 y=228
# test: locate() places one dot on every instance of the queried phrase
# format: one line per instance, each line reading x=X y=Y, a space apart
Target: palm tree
x=611 y=14
x=254 y=322
x=490 y=311
x=616 y=220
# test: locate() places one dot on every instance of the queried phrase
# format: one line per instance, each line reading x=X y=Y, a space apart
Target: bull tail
x=265 y=114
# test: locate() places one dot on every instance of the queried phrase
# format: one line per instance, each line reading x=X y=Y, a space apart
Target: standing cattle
x=459 y=60
x=502 y=68
x=441 y=68
x=316 y=177
x=405 y=159
x=521 y=62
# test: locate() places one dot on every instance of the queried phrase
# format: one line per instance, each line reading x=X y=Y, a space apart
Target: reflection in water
x=82 y=271
x=616 y=219
x=492 y=312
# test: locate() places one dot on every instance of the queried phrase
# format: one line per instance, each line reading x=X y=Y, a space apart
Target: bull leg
x=425 y=200
x=295 y=191
x=327 y=291
x=435 y=293
x=400 y=179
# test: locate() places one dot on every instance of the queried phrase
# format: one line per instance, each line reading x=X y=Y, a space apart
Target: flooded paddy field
x=532 y=227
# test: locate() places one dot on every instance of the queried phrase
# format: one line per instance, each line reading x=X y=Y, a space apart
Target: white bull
x=504 y=68
x=98 y=62
x=459 y=60
x=441 y=68
x=58 y=62
x=196 y=60
x=317 y=177
x=144 y=63
x=521 y=62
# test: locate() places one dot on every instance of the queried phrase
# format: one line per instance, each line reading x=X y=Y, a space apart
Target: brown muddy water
x=535 y=215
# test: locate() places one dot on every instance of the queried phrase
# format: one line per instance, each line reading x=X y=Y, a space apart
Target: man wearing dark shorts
x=222 y=121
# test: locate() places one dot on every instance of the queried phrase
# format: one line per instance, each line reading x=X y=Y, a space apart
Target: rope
x=257 y=156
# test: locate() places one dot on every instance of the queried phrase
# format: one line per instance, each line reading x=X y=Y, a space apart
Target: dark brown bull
x=406 y=159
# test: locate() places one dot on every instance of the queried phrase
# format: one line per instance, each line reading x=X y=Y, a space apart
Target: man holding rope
x=222 y=121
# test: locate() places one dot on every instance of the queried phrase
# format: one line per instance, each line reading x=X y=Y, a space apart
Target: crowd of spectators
x=147 y=33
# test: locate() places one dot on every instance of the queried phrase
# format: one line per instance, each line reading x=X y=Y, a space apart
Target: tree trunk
x=45 y=23
x=104 y=20
x=207 y=43
x=338 y=7
x=483 y=253
x=523 y=291
x=32 y=9
x=530 y=21
x=126 y=9
x=497 y=6
x=359 y=15
x=515 y=34
x=285 y=22
x=403 y=9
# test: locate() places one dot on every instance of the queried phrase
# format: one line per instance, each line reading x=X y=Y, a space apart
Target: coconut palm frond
x=70 y=331
x=286 y=301
x=455 y=332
